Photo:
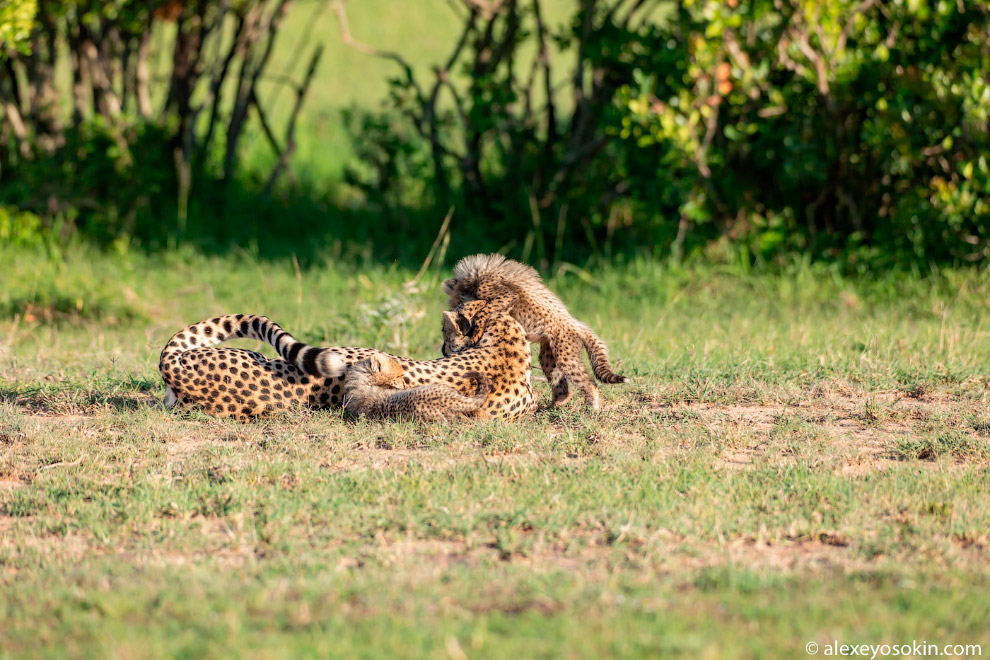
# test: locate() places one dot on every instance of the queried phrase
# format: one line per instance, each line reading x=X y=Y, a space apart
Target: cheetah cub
x=543 y=316
x=372 y=389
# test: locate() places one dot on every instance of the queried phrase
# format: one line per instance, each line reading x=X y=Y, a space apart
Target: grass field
x=798 y=458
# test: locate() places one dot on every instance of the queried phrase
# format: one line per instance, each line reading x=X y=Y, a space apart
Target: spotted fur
x=371 y=390
x=489 y=340
x=233 y=382
x=240 y=383
x=543 y=316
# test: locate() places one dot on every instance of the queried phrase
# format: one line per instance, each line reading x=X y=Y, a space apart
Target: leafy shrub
x=853 y=130
x=831 y=125
x=99 y=182
x=20 y=228
x=16 y=19
x=94 y=152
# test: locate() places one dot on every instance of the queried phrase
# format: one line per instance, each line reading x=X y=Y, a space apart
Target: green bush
x=100 y=182
x=20 y=228
x=833 y=127
x=16 y=20
x=850 y=130
x=91 y=151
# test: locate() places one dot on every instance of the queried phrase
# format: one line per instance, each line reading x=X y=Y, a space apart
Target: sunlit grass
x=800 y=457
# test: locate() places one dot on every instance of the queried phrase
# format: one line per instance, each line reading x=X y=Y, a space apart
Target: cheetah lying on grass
x=544 y=318
x=370 y=390
x=230 y=382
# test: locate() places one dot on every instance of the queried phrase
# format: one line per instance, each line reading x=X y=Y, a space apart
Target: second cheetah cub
x=371 y=390
x=544 y=318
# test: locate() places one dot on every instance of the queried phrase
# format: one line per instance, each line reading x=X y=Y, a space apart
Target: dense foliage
x=850 y=130
x=16 y=19
x=133 y=139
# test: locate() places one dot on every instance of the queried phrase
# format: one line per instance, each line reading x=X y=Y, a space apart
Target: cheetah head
x=469 y=273
x=462 y=327
x=384 y=370
x=369 y=380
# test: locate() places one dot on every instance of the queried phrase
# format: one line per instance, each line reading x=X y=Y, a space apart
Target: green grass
x=799 y=457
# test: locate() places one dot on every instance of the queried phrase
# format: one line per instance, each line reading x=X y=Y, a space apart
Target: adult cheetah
x=543 y=316
x=234 y=382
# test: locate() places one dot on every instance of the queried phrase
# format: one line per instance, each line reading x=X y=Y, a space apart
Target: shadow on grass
x=76 y=401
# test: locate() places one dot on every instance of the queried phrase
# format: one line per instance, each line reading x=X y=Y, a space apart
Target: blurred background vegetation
x=756 y=132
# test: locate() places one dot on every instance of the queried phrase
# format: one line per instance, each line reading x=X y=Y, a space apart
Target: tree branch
x=290 y=129
x=345 y=35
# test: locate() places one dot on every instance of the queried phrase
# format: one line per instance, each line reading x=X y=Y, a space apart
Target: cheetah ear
x=464 y=325
x=450 y=320
x=376 y=364
x=448 y=286
x=388 y=368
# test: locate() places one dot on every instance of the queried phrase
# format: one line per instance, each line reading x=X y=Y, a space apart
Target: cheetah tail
x=247 y=326
x=324 y=362
x=598 y=353
x=218 y=330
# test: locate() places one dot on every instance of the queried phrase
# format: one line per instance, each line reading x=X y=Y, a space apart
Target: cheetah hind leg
x=571 y=367
x=437 y=402
x=559 y=390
